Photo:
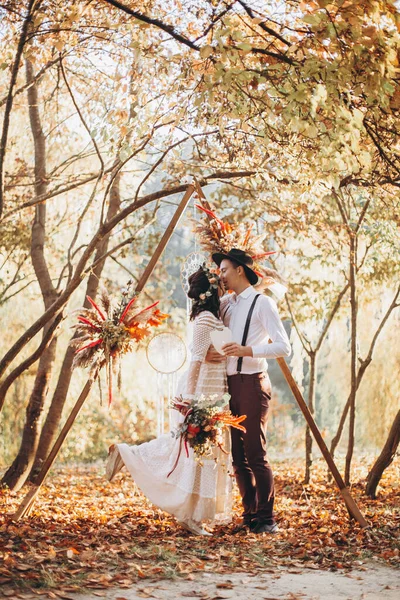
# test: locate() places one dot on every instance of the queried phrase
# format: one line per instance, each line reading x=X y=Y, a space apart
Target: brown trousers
x=250 y=396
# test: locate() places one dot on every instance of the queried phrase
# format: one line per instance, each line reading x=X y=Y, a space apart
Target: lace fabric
x=201 y=377
x=191 y=491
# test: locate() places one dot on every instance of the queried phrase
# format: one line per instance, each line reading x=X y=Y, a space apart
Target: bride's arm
x=203 y=325
x=192 y=379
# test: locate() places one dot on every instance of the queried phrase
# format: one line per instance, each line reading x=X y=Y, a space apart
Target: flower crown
x=213 y=278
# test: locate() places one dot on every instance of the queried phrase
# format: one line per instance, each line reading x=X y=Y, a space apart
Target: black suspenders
x=246 y=331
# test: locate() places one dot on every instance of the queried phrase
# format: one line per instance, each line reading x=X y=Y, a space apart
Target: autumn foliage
x=86 y=533
x=108 y=109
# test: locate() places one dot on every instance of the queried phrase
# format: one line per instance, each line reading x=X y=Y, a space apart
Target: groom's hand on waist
x=213 y=356
x=234 y=349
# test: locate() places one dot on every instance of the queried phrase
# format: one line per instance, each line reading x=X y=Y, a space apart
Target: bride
x=192 y=493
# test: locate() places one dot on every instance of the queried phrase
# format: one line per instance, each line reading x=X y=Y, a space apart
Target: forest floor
x=87 y=535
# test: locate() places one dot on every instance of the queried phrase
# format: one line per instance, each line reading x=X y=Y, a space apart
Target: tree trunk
x=384 y=459
x=311 y=400
x=353 y=367
x=18 y=472
x=53 y=419
x=54 y=415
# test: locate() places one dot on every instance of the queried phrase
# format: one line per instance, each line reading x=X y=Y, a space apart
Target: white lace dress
x=200 y=493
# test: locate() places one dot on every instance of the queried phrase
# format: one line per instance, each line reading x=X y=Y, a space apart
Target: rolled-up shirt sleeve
x=270 y=320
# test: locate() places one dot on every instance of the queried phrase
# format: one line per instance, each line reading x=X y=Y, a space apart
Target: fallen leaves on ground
x=85 y=533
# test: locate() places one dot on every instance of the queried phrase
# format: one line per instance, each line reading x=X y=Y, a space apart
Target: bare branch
x=363 y=213
x=129 y=240
x=263 y=24
x=304 y=341
x=10 y=96
x=21 y=289
x=362 y=369
x=331 y=315
x=342 y=209
x=134 y=277
x=157 y=163
x=392 y=306
x=56 y=192
x=15 y=280
x=156 y=22
x=80 y=114
x=215 y=20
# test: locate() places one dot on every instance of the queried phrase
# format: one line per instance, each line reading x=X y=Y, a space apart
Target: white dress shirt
x=265 y=325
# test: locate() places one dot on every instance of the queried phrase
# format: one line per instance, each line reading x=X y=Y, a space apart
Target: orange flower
x=138 y=332
x=231 y=421
x=157 y=318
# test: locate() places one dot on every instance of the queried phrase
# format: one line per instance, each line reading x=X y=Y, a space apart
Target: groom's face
x=229 y=274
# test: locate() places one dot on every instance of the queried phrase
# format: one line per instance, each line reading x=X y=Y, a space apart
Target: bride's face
x=221 y=289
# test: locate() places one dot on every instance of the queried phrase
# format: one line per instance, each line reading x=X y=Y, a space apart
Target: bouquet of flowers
x=105 y=332
x=205 y=420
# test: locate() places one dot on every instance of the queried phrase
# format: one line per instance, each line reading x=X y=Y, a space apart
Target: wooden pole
x=165 y=238
x=352 y=507
x=29 y=499
x=347 y=497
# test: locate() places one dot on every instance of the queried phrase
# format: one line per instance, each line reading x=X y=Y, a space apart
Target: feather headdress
x=216 y=235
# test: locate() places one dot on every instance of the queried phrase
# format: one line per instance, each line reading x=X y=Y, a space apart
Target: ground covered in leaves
x=84 y=532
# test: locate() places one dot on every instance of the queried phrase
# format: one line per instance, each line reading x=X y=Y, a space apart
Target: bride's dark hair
x=199 y=284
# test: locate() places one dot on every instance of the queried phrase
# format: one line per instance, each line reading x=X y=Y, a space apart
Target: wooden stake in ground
x=347 y=497
x=352 y=507
x=29 y=499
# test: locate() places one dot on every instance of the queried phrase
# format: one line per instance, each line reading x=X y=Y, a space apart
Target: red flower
x=193 y=429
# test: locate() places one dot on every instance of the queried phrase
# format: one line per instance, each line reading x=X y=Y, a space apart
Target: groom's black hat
x=242 y=259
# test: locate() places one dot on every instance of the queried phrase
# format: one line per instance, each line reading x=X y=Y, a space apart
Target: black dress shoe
x=262 y=527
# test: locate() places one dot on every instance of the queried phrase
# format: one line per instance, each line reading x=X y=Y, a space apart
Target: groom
x=254 y=320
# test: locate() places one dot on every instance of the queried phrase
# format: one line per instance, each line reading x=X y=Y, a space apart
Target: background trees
x=290 y=110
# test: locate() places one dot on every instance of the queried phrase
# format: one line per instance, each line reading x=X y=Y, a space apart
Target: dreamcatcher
x=166 y=353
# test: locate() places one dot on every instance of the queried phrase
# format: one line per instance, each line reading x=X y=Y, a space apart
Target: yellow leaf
x=245 y=47
x=206 y=51
x=59 y=44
